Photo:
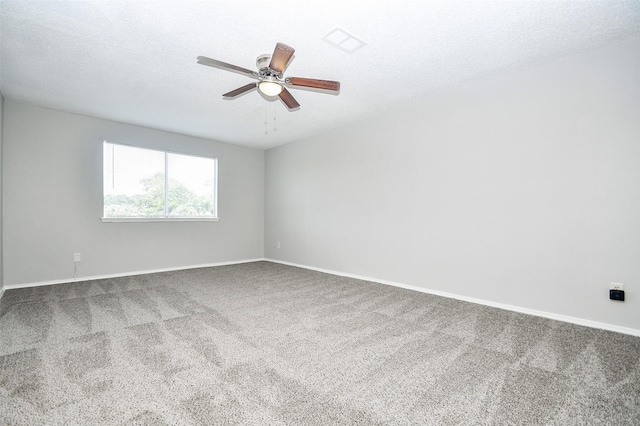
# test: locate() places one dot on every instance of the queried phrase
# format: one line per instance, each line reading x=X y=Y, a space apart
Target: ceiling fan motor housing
x=263 y=61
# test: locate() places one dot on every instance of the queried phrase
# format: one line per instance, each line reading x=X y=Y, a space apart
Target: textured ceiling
x=135 y=61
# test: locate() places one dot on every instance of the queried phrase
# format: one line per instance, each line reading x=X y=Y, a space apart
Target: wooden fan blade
x=288 y=100
x=240 y=91
x=312 y=82
x=228 y=67
x=281 y=56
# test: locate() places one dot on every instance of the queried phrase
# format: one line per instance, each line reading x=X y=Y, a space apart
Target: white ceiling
x=135 y=61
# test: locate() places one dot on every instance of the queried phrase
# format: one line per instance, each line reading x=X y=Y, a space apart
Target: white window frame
x=165 y=218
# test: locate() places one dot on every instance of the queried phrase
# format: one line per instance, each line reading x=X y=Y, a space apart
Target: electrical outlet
x=278 y=245
x=617 y=286
x=77 y=257
x=616 y=295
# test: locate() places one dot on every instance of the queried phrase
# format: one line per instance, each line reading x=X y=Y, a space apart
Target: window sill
x=159 y=219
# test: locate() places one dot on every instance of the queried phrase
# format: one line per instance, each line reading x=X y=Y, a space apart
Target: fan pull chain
x=266 y=114
x=274 y=117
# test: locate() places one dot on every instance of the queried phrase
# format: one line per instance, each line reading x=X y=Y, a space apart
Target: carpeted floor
x=263 y=343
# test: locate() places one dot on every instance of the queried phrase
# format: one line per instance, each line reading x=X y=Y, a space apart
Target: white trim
x=550 y=315
x=159 y=219
x=130 y=274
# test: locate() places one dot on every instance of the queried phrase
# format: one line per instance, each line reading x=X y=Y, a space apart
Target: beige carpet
x=263 y=343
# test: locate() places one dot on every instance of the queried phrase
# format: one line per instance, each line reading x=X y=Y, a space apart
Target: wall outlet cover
x=616 y=295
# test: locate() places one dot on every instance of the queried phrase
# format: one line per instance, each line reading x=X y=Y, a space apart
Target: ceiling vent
x=343 y=40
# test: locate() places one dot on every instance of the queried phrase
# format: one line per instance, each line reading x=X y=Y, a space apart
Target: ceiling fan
x=270 y=79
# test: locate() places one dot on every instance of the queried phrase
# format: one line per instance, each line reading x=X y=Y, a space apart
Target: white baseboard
x=128 y=274
x=550 y=315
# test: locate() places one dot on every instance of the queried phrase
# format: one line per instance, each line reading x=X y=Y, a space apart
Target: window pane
x=192 y=183
x=133 y=182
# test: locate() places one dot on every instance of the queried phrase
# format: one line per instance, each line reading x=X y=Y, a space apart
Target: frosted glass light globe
x=270 y=88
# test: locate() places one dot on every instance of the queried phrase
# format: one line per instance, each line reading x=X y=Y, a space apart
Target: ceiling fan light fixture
x=269 y=88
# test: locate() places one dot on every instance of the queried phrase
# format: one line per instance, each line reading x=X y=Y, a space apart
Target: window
x=145 y=184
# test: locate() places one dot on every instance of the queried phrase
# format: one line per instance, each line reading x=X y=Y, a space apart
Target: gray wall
x=1 y=184
x=522 y=190
x=53 y=201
